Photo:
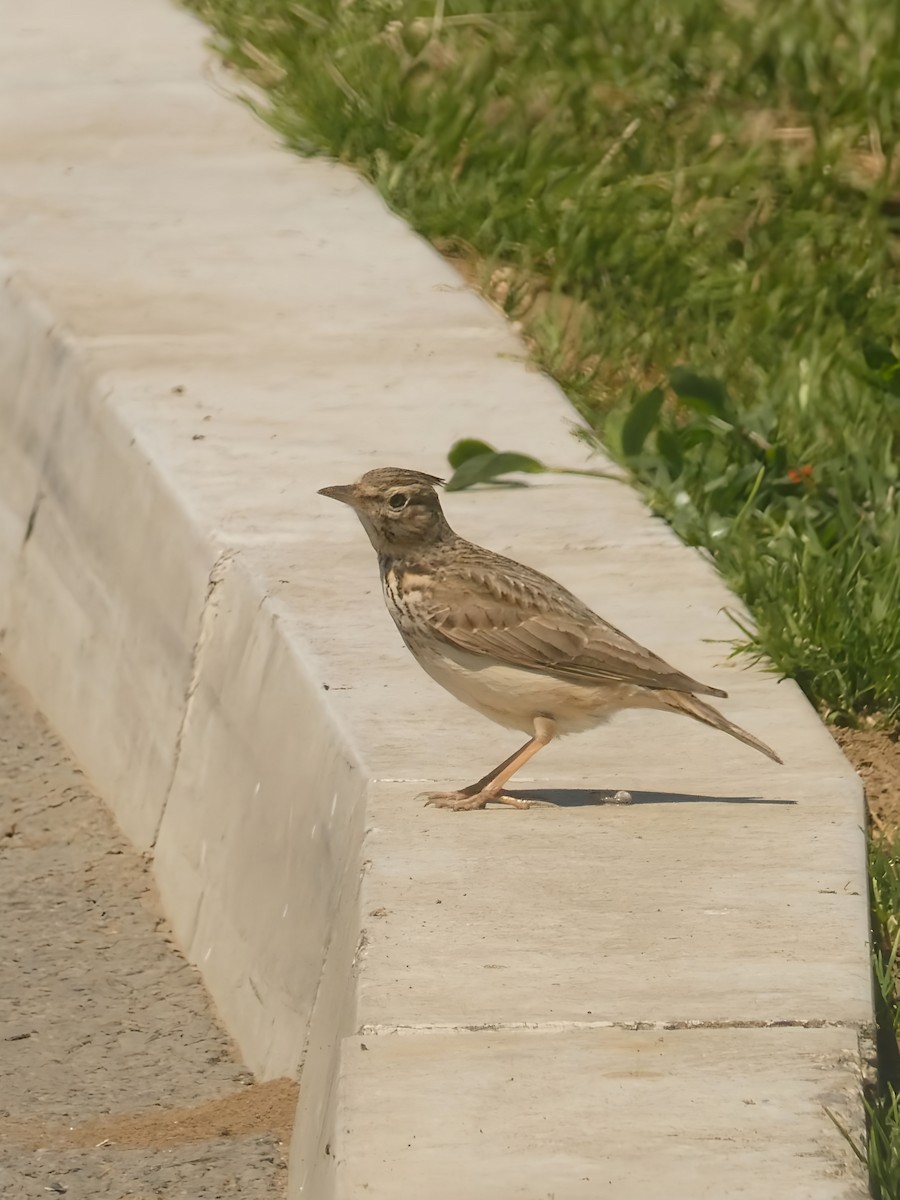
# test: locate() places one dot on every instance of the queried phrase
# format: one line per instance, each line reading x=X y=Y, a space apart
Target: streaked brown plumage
x=504 y=638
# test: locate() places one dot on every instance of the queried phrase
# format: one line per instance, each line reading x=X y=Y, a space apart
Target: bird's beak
x=345 y=492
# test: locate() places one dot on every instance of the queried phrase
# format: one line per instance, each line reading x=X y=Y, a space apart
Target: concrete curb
x=181 y=366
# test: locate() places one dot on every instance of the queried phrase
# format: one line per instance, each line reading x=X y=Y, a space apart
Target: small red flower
x=802 y=474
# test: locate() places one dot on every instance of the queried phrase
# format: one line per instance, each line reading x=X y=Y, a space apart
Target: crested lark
x=505 y=639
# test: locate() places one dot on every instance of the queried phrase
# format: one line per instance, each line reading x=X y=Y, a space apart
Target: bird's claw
x=464 y=802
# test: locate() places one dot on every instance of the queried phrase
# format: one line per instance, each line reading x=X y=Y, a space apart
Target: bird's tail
x=683 y=702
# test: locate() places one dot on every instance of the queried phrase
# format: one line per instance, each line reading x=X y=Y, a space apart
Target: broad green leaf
x=879 y=357
x=717 y=526
x=700 y=392
x=640 y=421
x=467 y=448
x=696 y=436
x=670 y=448
x=885 y=364
x=486 y=468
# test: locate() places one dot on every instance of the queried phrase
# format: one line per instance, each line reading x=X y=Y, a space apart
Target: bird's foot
x=465 y=802
x=457 y=801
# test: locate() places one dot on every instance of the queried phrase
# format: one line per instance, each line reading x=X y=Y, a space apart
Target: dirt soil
x=116 y=1079
x=875 y=754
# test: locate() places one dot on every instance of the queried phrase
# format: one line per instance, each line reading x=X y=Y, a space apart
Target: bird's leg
x=544 y=732
x=477 y=795
x=474 y=788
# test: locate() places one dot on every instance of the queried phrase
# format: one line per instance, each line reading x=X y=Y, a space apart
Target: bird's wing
x=522 y=618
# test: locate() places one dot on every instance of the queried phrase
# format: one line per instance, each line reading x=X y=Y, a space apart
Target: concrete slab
x=685 y=1115
x=196 y=332
x=101 y=568
x=677 y=908
x=258 y=843
x=39 y=369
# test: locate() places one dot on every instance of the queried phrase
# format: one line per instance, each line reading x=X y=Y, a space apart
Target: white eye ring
x=399 y=500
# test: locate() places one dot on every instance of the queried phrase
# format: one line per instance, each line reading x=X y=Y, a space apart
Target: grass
x=693 y=211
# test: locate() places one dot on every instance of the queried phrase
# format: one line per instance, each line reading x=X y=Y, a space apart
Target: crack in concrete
x=32 y=519
x=208 y=612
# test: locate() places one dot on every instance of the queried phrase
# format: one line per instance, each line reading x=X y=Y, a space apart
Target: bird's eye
x=398 y=500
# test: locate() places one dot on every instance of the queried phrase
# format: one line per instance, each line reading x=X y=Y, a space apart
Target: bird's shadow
x=610 y=798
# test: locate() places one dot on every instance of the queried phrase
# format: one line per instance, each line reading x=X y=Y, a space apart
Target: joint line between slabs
x=380 y=1030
